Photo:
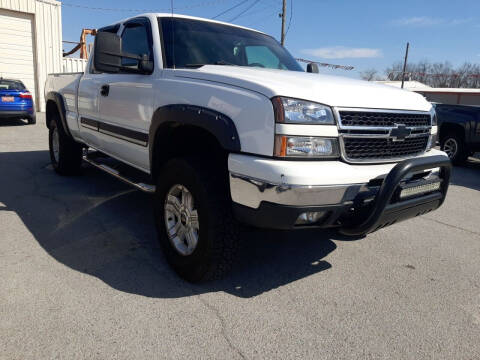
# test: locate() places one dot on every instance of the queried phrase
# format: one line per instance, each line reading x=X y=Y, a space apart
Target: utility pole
x=284 y=17
x=405 y=64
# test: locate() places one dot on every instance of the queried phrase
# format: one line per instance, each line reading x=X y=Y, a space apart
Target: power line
x=230 y=9
x=256 y=11
x=265 y=19
x=203 y=3
x=244 y=11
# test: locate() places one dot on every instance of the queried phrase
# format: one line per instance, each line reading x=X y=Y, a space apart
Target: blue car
x=16 y=101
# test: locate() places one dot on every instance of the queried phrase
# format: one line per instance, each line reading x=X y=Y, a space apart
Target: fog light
x=310 y=217
x=420 y=189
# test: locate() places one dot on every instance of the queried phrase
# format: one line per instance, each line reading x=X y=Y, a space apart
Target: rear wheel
x=455 y=148
x=32 y=120
x=194 y=219
x=65 y=153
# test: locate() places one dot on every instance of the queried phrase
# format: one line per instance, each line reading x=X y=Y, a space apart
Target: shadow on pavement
x=467 y=174
x=97 y=225
x=12 y=122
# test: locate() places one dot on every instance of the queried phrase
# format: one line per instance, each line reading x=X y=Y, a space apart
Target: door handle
x=105 y=89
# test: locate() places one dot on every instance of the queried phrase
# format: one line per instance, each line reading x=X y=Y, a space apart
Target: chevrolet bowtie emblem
x=400 y=132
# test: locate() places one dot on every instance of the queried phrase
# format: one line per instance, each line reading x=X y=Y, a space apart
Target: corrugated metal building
x=73 y=65
x=454 y=96
x=31 y=42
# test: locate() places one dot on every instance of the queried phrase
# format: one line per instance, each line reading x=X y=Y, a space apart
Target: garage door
x=16 y=48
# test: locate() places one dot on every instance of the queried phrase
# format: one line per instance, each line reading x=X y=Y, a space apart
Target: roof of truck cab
x=169 y=15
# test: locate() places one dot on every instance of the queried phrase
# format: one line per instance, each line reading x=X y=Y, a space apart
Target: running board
x=148 y=188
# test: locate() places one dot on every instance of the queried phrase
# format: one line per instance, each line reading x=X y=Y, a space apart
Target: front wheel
x=194 y=219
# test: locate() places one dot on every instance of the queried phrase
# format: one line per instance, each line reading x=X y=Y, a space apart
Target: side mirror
x=312 y=68
x=107 y=56
x=145 y=65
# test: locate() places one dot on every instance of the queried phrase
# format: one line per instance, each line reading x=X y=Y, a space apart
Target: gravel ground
x=83 y=278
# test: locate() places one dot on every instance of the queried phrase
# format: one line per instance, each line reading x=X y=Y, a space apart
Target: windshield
x=192 y=43
x=11 y=85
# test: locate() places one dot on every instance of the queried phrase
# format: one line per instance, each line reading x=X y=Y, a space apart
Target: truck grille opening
x=383 y=148
x=383 y=119
x=376 y=135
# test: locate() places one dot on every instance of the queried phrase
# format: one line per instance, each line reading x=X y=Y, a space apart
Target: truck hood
x=325 y=89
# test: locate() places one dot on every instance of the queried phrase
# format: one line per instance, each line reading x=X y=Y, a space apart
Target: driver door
x=126 y=100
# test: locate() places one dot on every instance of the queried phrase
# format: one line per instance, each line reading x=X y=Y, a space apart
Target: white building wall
x=47 y=43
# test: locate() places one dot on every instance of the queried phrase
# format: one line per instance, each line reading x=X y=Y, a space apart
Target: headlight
x=434 y=116
x=293 y=111
x=306 y=147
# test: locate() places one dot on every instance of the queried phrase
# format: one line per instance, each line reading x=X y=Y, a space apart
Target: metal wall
x=73 y=65
x=47 y=47
x=453 y=98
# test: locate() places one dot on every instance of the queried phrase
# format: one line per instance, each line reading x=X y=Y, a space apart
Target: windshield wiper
x=220 y=62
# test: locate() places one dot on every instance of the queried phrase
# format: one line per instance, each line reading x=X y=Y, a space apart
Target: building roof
x=409 y=85
x=421 y=87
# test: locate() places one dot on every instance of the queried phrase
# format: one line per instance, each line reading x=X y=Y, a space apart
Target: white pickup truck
x=225 y=127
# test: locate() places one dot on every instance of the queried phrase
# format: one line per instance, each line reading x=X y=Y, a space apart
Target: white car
x=224 y=126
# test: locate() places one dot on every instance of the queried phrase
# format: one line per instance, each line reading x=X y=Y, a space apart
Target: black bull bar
x=386 y=209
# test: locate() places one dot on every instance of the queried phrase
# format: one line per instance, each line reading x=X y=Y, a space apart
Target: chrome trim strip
x=381 y=128
x=251 y=192
x=89 y=126
x=126 y=138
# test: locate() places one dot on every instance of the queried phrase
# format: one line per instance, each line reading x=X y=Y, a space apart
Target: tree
x=437 y=74
x=369 y=75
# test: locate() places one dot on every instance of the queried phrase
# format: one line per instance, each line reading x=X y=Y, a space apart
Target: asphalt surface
x=82 y=277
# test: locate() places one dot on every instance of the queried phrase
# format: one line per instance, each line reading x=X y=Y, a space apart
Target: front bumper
x=357 y=208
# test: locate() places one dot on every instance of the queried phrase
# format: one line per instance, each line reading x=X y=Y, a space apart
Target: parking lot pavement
x=82 y=277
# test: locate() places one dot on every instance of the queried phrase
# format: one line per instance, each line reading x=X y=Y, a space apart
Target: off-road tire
x=218 y=238
x=461 y=153
x=68 y=161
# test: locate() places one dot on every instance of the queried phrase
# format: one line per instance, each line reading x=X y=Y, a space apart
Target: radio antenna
x=172 y=30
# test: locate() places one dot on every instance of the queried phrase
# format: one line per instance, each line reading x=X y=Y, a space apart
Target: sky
x=364 y=34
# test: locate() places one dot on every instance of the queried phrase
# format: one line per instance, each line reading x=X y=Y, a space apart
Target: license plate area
x=8 y=99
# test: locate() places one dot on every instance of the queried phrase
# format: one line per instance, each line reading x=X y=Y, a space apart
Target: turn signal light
x=305 y=147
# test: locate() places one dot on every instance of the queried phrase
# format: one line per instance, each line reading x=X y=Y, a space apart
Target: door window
x=136 y=41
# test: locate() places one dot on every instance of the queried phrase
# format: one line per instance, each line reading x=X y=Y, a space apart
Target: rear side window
x=136 y=41
x=11 y=85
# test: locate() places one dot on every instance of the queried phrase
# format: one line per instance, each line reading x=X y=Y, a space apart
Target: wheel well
x=176 y=140
x=51 y=110
x=449 y=128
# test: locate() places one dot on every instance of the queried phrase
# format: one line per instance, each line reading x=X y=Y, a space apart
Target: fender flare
x=57 y=98
x=218 y=124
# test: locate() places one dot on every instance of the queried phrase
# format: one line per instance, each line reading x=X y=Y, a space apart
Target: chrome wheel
x=450 y=147
x=181 y=220
x=55 y=144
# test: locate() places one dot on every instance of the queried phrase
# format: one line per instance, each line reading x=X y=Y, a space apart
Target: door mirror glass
x=107 y=52
x=312 y=68
x=145 y=65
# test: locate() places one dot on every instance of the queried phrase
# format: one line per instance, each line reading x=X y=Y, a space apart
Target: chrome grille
x=371 y=135
x=383 y=148
x=379 y=119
